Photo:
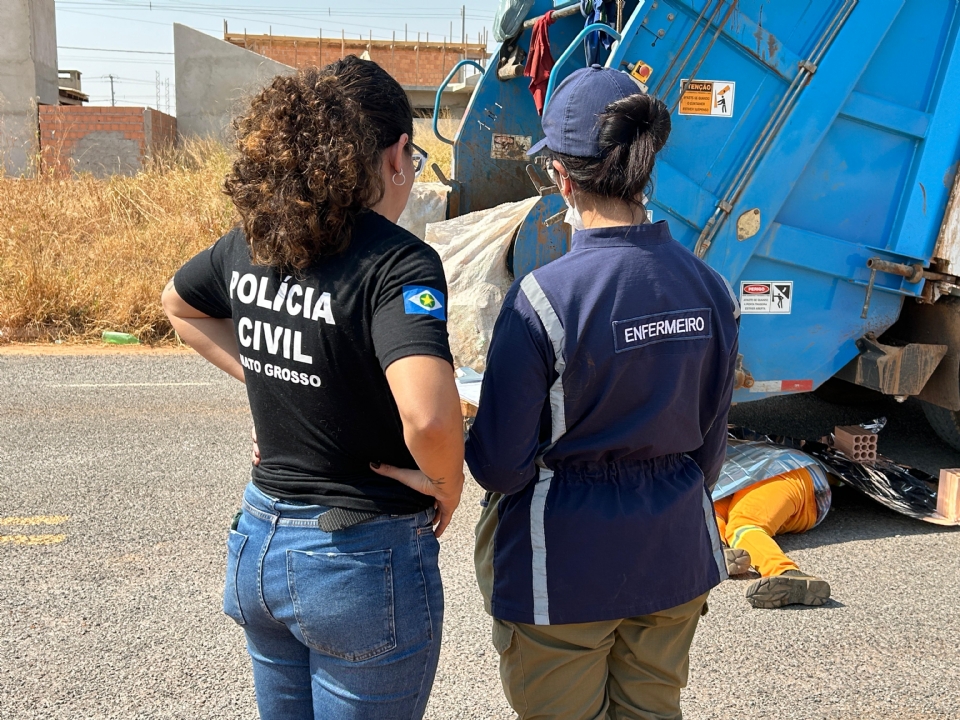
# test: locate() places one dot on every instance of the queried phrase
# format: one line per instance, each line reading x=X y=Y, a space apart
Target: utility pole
x=166 y=87
x=113 y=100
x=463 y=39
x=158 y=90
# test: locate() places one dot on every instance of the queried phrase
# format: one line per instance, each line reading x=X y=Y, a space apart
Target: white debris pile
x=474 y=252
x=427 y=204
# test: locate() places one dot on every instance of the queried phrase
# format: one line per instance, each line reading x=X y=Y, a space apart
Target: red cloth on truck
x=539 y=60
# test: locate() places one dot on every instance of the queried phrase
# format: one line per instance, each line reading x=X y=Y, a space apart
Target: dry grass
x=80 y=255
x=440 y=153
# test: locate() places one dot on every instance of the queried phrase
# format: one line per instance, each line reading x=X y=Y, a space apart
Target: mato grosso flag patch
x=422 y=300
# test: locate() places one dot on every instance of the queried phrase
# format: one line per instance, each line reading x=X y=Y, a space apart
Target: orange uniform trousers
x=751 y=517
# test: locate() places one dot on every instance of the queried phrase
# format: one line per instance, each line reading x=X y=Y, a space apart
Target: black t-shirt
x=314 y=350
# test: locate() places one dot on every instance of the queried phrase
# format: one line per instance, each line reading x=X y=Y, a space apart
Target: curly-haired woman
x=334 y=317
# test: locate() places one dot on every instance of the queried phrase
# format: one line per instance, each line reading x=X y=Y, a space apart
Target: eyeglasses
x=420 y=158
x=555 y=176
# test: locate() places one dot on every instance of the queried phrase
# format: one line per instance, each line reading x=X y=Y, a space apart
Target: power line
x=289 y=11
x=120 y=79
x=114 y=50
x=130 y=19
x=300 y=27
x=125 y=61
x=123 y=97
x=251 y=14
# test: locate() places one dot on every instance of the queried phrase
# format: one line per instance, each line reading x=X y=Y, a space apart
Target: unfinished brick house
x=102 y=140
x=419 y=66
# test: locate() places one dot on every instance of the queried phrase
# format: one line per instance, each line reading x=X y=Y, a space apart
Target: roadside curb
x=91 y=349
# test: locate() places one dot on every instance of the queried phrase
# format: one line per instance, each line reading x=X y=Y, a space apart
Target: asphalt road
x=139 y=462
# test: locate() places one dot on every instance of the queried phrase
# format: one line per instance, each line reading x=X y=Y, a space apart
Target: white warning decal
x=713 y=98
x=766 y=297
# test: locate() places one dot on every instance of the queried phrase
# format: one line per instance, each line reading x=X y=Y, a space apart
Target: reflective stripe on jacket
x=601 y=426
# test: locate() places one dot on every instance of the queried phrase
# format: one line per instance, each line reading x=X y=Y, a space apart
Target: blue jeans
x=340 y=626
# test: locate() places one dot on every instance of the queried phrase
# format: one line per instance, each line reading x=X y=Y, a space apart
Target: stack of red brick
x=102 y=140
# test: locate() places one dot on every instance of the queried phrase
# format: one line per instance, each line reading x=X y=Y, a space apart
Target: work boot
x=791 y=588
x=738 y=560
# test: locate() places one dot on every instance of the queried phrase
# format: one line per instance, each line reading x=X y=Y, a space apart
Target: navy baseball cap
x=570 y=117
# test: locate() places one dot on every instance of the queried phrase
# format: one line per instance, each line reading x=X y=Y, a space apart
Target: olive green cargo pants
x=629 y=669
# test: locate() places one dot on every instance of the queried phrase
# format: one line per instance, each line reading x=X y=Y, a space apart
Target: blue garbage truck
x=813 y=162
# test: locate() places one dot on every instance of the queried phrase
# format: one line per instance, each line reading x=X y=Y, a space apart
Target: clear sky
x=133 y=39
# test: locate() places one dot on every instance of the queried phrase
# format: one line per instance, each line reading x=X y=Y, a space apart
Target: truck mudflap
x=932 y=325
x=898 y=370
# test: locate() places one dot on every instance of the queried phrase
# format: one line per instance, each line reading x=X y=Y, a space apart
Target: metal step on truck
x=812 y=162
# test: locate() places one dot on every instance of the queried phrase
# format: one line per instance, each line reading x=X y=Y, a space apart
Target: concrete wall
x=28 y=77
x=214 y=81
x=102 y=140
x=43 y=23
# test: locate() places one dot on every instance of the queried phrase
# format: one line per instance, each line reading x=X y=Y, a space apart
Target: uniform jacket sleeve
x=711 y=454
x=503 y=443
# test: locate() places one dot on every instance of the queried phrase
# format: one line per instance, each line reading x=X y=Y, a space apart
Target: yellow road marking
x=32 y=539
x=35 y=520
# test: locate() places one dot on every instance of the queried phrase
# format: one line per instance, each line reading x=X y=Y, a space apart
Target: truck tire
x=945 y=423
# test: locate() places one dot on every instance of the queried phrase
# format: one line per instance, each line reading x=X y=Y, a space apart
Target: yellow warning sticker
x=642 y=72
x=713 y=98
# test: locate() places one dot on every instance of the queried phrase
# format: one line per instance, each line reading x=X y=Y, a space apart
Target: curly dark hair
x=310 y=156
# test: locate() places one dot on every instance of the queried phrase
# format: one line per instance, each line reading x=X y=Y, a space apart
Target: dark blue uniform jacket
x=603 y=423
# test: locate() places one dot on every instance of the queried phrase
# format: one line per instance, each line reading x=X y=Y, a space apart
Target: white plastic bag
x=474 y=249
x=427 y=204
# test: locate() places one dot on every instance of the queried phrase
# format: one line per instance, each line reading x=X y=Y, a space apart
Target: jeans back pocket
x=231 y=595
x=343 y=602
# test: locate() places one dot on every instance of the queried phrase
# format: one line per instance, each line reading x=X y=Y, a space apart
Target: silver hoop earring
x=403 y=180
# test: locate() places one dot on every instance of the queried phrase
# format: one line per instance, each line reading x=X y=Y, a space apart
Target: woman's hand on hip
x=446 y=493
x=255 y=455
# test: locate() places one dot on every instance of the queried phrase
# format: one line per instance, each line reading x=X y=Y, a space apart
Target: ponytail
x=632 y=131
